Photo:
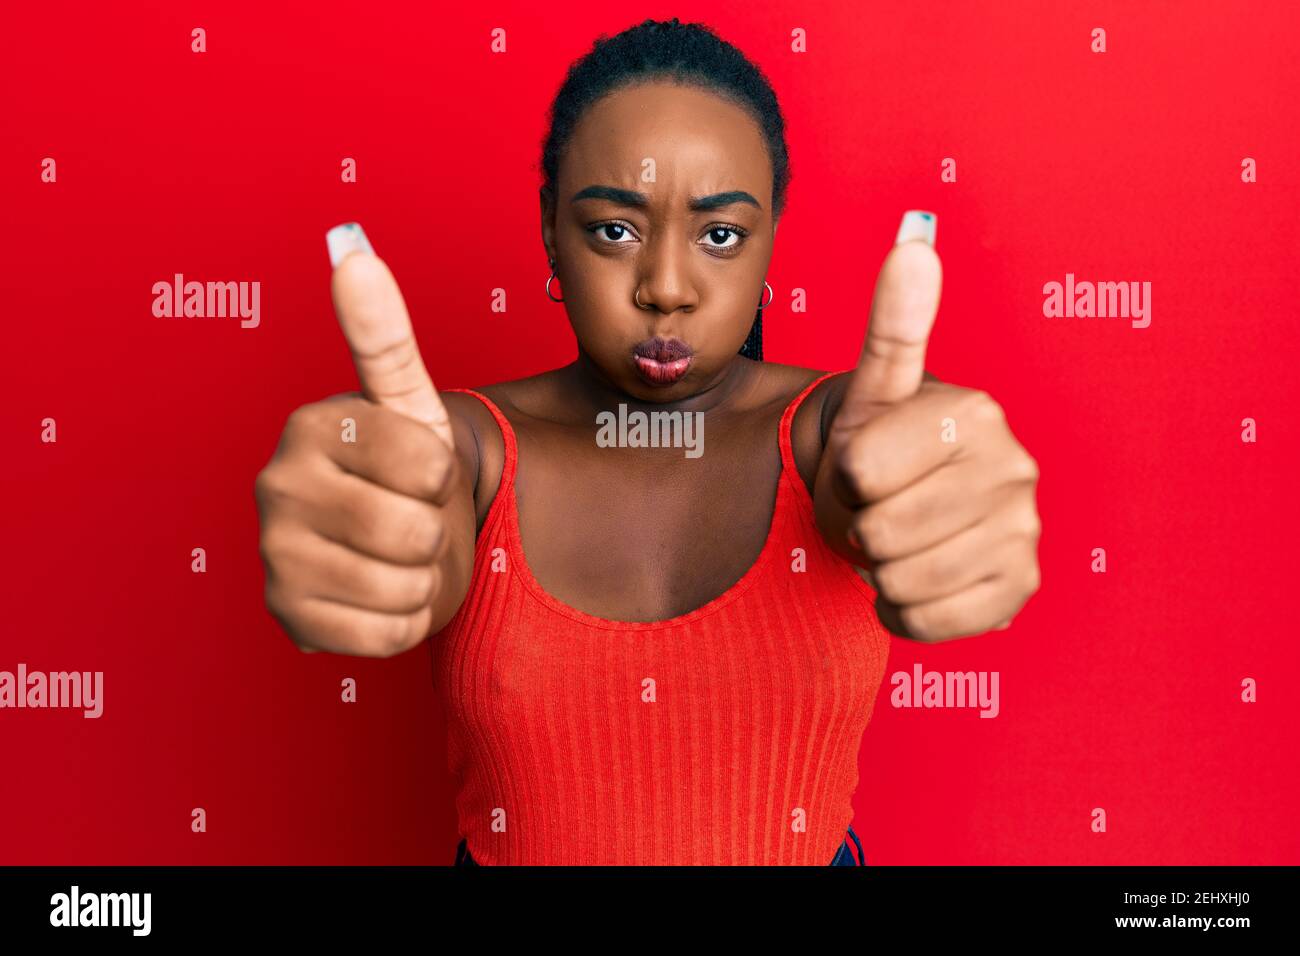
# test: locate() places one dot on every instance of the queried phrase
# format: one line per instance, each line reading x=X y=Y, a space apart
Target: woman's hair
x=687 y=53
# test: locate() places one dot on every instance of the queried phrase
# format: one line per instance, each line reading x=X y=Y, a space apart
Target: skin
x=368 y=545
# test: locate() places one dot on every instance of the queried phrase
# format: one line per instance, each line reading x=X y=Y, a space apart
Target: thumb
x=377 y=327
x=891 y=367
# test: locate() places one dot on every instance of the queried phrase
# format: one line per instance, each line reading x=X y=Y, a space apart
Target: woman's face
x=629 y=220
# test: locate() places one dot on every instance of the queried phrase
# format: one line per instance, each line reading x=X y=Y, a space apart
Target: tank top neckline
x=505 y=508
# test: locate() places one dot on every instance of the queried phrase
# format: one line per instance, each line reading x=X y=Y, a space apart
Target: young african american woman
x=646 y=656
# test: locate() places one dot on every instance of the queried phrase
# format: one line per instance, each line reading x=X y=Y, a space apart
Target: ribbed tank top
x=728 y=735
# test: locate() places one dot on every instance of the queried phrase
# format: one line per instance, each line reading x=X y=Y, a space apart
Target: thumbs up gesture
x=921 y=483
x=366 y=508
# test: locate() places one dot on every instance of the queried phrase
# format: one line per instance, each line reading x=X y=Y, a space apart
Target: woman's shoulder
x=788 y=381
x=793 y=379
x=510 y=397
x=479 y=437
x=808 y=428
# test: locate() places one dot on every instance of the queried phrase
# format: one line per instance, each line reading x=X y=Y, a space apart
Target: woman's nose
x=666 y=283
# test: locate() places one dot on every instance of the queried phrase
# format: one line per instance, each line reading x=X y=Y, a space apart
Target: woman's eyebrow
x=630 y=197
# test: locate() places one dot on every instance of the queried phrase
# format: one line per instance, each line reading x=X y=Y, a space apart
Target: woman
x=652 y=649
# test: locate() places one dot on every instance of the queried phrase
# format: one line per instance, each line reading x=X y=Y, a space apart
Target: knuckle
x=1031 y=524
x=298 y=636
x=887 y=579
x=983 y=409
x=402 y=633
x=384 y=638
x=382 y=587
x=442 y=470
x=301 y=419
x=985 y=405
x=856 y=470
x=421 y=621
x=357 y=515
x=317 y=423
x=422 y=533
x=268 y=488
x=270 y=545
x=918 y=624
x=431 y=586
x=356 y=523
x=260 y=491
x=945 y=566
x=1028 y=467
x=271 y=598
x=280 y=605
x=876 y=530
x=1034 y=578
x=437 y=535
x=398 y=635
x=413 y=588
x=374 y=523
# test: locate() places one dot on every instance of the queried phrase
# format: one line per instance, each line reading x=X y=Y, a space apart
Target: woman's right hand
x=366 y=509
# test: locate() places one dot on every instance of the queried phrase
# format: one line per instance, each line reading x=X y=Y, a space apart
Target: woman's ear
x=548 y=223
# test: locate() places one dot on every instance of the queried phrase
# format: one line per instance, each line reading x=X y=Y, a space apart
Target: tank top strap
x=787 y=420
x=507 y=436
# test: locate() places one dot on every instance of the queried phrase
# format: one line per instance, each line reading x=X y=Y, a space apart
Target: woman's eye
x=721 y=234
x=612 y=232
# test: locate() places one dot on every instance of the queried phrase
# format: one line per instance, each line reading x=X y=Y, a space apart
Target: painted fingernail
x=917 y=224
x=853 y=539
x=346 y=238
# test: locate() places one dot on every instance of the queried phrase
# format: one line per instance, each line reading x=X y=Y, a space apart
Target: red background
x=1119 y=691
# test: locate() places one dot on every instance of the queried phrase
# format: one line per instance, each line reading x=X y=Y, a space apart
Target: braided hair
x=688 y=53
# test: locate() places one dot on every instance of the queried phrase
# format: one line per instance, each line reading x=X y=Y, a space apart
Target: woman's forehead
x=694 y=140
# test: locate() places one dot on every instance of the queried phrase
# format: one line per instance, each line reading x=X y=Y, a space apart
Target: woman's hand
x=367 y=513
x=923 y=483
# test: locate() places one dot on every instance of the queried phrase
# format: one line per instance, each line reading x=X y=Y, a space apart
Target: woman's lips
x=661 y=373
x=662 y=361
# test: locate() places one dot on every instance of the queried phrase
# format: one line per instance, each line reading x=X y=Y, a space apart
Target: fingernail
x=1003 y=627
x=346 y=238
x=853 y=539
x=917 y=224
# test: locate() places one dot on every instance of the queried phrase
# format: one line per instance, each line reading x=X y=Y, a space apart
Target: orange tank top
x=726 y=735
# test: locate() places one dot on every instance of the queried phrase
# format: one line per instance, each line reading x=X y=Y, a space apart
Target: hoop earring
x=548 y=284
